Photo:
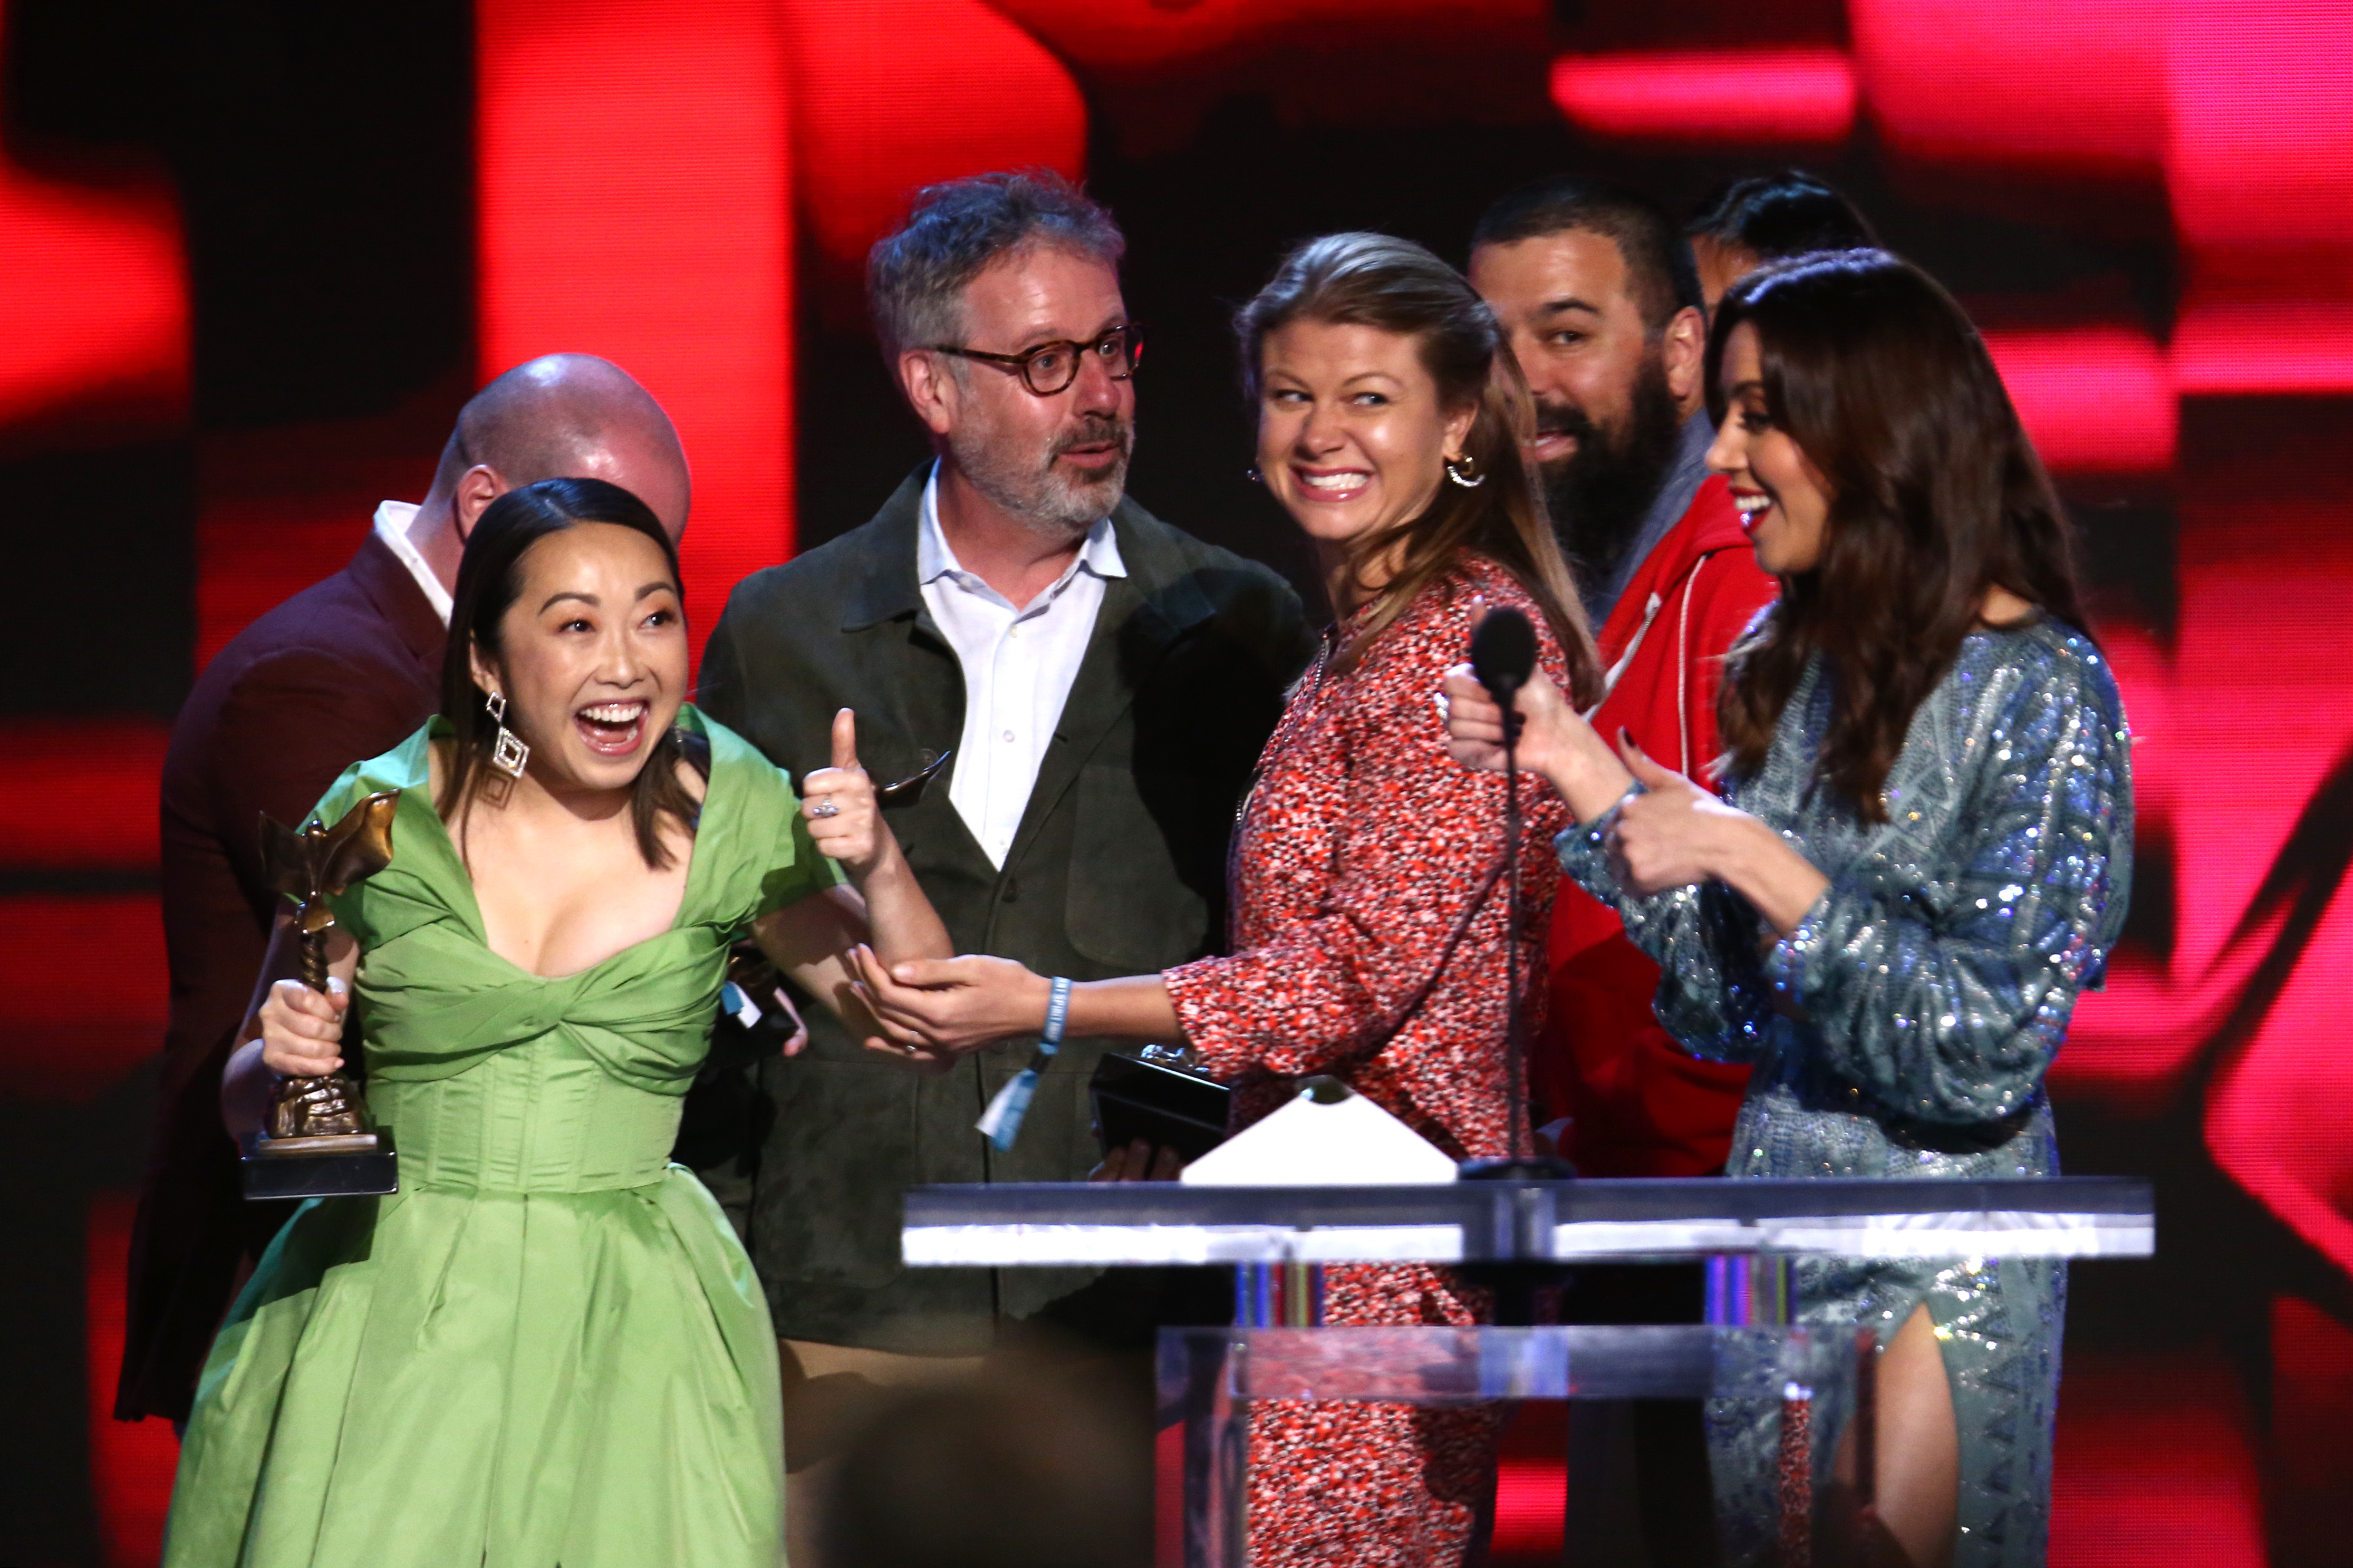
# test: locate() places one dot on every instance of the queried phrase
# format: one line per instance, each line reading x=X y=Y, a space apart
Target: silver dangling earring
x=510 y=753
x=1465 y=472
x=1253 y=475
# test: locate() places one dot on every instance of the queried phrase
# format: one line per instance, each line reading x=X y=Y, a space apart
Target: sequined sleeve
x=1943 y=990
x=1714 y=997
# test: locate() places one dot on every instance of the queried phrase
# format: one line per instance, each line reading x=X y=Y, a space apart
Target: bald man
x=344 y=671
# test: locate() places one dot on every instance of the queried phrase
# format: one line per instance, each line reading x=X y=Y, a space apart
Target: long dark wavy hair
x=489 y=579
x=1936 y=496
x=1396 y=285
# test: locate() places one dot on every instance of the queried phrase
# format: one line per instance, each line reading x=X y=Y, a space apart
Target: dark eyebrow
x=1743 y=388
x=593 y=601
x=1557 y=307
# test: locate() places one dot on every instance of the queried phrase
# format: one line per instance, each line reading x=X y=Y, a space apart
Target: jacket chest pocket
x=1129 y=905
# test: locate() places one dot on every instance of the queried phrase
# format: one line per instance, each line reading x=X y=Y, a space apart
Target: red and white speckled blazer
x=1358 y=850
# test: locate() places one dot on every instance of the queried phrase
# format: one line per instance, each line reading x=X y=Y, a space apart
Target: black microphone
x=1503 y=655
x=1503 y=659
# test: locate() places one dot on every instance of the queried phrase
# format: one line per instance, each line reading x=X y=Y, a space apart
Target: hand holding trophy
x=317 y=1137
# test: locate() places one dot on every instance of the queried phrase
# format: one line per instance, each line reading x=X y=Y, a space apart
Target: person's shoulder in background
x=317 y=622
x=820 y=575
x=839 y=574
x=316 y=683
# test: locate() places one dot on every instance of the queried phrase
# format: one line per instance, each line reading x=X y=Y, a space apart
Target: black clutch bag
x=1157 y=1098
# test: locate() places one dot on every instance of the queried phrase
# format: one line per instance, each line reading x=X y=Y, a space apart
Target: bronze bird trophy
x=317 y=1137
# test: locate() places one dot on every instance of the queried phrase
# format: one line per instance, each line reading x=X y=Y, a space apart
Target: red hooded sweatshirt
x=1639 y=1104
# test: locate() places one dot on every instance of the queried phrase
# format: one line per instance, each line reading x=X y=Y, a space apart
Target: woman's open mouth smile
x=611 y=729
x=1331 y=484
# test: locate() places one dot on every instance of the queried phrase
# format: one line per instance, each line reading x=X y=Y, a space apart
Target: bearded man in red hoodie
x=1596 y=288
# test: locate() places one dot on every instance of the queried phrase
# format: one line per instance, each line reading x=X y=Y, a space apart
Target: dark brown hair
x=1661 y=275
x=1936 y=496
x=1771 y=217
x=489 y=579
x=1396 y=285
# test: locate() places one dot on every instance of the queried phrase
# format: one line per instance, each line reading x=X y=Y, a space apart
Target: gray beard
x=1042 y=497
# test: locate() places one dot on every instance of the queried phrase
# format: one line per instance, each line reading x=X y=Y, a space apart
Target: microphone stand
x=1514 y=1046
x=1515 y=1284
x=1522 y=1163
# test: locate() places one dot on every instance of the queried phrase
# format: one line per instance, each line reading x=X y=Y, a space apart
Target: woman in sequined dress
x=1920 y=859
x=1370 y=939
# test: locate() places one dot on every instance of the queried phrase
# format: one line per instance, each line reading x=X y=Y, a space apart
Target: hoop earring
x=1465 y=472
x=511 y=753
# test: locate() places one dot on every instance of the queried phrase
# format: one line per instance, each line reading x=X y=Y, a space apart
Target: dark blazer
x=1119 y=867
x=343 y=671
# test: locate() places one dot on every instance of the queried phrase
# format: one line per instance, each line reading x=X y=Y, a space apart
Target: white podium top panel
x=1052 y=1224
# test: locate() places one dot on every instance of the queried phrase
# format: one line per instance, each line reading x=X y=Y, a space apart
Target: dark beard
x=1600 y=497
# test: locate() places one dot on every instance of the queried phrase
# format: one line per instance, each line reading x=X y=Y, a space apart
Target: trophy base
x=323 y=1143
x=360 y=1164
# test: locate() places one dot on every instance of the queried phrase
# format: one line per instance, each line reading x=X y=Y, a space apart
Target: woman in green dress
x=548 y=1347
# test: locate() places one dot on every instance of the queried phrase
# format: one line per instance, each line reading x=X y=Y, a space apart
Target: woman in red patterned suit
x=1370 y=934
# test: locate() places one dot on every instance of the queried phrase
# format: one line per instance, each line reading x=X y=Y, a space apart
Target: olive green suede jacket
x=1119 y=867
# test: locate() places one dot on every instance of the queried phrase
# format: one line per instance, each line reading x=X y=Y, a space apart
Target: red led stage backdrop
x=656 y=231
x=2148 y=208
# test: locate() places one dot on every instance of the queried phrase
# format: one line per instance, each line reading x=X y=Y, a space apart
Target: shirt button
x=1008 y=735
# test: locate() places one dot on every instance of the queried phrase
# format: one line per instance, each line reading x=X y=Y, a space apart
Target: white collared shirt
x=392 y=520
x=1017 y=668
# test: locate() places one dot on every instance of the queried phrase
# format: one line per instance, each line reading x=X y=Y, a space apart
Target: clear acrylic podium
x=1211 y=1378
x=1748 y=1363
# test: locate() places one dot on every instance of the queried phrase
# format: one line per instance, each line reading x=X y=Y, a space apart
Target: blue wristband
x=1058 y=1014
x=1001 y=1122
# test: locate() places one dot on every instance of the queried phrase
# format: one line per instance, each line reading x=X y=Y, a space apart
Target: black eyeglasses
x=1049 y=368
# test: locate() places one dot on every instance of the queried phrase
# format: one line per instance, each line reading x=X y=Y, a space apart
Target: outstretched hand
x=844 y=820
x=934 y=1009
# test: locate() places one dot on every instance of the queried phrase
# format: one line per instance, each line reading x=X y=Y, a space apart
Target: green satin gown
x=548 y=1347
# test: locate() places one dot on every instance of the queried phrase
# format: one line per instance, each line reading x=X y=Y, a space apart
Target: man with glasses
x=1094 y=685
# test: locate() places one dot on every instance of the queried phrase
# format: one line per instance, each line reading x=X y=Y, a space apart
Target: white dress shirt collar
x=935 y=557
x=1097 y=553
x=1018 y=668
x=392 y=521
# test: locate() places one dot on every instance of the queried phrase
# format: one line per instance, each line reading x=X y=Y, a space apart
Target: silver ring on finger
x=825 y=808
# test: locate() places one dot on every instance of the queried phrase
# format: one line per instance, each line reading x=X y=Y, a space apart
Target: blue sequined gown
x=1935 y=979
